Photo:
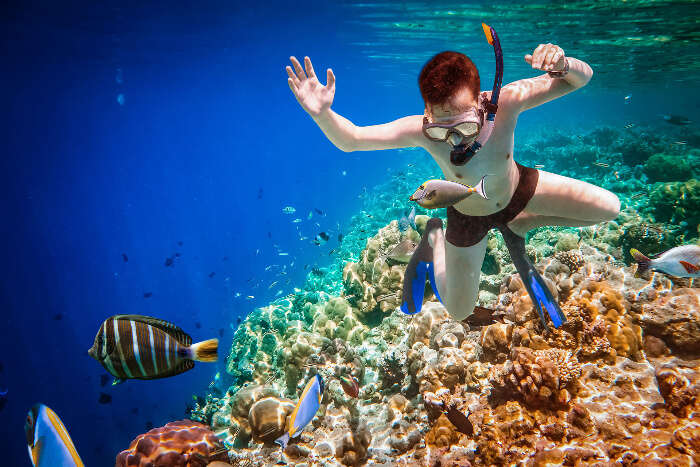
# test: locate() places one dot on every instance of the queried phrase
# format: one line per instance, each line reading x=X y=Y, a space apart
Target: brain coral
x=538 y=377
x=185 y=443
x=677 y=203
x=667 y=168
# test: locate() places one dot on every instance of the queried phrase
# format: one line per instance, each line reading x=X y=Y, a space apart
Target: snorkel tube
x=461 y=154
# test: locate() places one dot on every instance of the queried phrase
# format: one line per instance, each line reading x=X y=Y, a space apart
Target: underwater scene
x=343 y=233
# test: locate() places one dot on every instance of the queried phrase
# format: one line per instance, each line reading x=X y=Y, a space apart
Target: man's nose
x=454 y=138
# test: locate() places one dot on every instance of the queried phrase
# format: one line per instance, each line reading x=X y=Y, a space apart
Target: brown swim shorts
x=463 y=230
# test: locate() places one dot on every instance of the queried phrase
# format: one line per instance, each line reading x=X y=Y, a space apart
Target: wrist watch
x=562 y=73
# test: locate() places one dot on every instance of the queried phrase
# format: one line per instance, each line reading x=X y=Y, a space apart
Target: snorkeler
x=470 y=133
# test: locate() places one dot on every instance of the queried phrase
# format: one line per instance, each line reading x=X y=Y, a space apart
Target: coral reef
x=184 y=442
x=667 y=168
x=616 y=384
x=677 y=203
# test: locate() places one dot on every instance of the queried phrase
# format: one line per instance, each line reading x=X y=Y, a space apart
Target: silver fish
x=402 y=252
x=435 y=193
x=681 y=261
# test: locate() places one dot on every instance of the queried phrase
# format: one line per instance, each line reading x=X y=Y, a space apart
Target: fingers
x=297 y=68
x=293 y=87
x=549 y=54
x=330 y=79
x=292 y=76
x=537 y=56
x=545 y=57
x=309 y=67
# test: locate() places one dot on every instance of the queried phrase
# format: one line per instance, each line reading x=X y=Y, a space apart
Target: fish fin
x=479 y=188
x=165 y=326
x=544 y=299
x=642 y=260
x=118 y=381
x=205 y=351
x=283 y=440
x=690 y=267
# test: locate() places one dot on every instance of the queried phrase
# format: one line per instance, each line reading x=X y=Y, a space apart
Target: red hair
x=446 y=73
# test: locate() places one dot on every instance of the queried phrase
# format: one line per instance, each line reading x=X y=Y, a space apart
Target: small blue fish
x=628 y=98
x=304 y=412
x=48 y=441
x=410 y=221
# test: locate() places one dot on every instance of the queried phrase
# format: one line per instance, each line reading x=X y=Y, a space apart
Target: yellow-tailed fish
x=48 y=440
x=304 y=412
x=141 y=347
x=434 y=194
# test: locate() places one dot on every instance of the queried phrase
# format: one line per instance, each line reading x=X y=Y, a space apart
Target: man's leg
x=567 y=198
x=524 y=222
x=457 y=273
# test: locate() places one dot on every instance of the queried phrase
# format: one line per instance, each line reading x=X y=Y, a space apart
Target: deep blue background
x=207 y=120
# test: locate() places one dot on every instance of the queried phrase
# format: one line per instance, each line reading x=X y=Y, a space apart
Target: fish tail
x=479 y=188
x=205 y=351
x=642 y=260
x=283 y=440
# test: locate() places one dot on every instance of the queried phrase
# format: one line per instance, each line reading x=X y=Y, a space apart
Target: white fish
x=283 y=254
x=289 y=210
x=296 y=221
x=681 y=261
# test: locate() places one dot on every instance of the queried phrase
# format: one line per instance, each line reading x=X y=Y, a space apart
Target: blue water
x=145 y=130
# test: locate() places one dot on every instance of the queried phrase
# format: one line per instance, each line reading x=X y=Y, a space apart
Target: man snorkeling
x=460 y=120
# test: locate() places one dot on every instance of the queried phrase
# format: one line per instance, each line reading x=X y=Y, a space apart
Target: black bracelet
x=562 y=73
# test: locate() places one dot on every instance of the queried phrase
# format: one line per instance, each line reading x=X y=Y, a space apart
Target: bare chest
x=495 y=160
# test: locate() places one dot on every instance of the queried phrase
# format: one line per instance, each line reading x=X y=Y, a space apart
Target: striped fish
x=48 y=440
x=140 y=347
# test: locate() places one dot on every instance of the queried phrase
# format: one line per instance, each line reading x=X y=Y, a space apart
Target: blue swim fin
x=420 y=267
x=543 y=300
x=539 y=293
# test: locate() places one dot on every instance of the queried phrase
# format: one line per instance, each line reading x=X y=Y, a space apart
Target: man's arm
x=346 y=136
x=316 y=99
x=528 y=93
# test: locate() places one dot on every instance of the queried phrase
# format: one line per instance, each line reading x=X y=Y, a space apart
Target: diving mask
x=458 y=130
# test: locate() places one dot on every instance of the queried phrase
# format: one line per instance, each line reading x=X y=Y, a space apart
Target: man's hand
x=547 y=57
x=310 y=93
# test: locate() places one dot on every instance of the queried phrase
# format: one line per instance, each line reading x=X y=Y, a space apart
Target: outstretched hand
x=314 y=97
x=547 y=57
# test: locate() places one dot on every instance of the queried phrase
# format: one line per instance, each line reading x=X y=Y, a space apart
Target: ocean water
x=134 y=132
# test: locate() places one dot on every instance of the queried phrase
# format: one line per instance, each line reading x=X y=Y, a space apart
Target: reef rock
x=184 y=442
x=674 y=318
x=267 y=418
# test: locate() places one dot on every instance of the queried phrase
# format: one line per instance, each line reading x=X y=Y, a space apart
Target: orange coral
x=184 y=442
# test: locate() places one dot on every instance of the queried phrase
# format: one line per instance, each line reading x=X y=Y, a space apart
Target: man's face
x=456 y=106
